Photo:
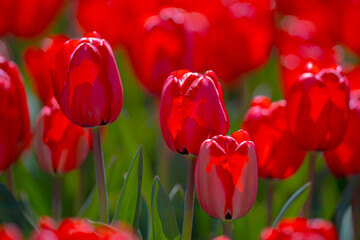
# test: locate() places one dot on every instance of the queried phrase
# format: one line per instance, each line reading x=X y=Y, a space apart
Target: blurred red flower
x=277 y=154
x=318 y=108
x=38 y=61
x=300 y=228
x=61 y=146
x=14 y=114
x=344 y=161
x=9 y=231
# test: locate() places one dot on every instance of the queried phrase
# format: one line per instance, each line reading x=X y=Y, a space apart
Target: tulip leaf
x=129 y=203
x=164 y=221
x=12 y=211
x=290 y=201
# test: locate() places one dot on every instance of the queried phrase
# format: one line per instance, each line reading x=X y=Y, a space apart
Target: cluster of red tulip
x=79 y=85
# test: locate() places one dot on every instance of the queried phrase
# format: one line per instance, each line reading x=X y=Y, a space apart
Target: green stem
x=189 y=200
x=100 y=176
x=56 y=204
x=227 y=228
x=10 y=179
x=269 y=200
x=355 y=208
x=311 y=179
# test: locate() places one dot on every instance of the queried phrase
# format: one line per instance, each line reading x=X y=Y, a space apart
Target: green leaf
x=11 y=211
x=290 y=201
x=128 y=206
x=164 y=221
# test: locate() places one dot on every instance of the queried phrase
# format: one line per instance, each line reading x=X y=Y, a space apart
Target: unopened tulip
x=192 y=109
x=277 y=154
x=226 y=176
x=86 y=81
x=300 y=228
x=61 y=146
x=38 y=61
x=344 y=161
x=14 y=114
x=318 y=109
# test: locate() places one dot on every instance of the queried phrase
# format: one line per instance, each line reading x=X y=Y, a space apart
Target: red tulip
x=116 y=20
x=192 y=109
x=9 y=231
x=344 y=159
x=300 y=228
x=226 y=175
x=86 y=81
x=76 y=229
x=278 y=156
x=38 y=61
x=350 y=24
x=14 y=114
x=168 y=41
x=61 y=146
x=318 y=109
x=27 y=18
x=240 y=37
x=221 y=238
x=301 y=40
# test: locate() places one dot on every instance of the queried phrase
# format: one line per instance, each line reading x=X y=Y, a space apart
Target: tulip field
x=169 y=120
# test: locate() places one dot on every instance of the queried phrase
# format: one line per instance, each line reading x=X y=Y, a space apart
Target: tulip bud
x=166 y=42
x=14 y=114
x=226 y=175
x=277 y=154
x=9 y=231
x=318 y=109
x=38 y=61
x=73 y=228
x=300 y=228
x=192 y=109
x=344 y=159
x=61 y=146
x=86 y=81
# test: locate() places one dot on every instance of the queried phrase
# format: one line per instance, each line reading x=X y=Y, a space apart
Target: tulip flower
x=61 y=146
x=344 y=161
x=318 y=109
x=300 y=228
x=9 y=231
x=86 y=81
x=38 y=61
x=166 y=42
x=14 y=114
x=226 y=176
x=27 y=18
x=277 y=154
x=192 y=109
x=350 y=23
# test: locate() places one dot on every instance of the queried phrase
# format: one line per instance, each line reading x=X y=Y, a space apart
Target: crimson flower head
x=14 y=114
x=300 y=228
x=318 y=109
x=192 y=109
x=86 y=81
x=166 y=42
x=343 y=160
x=61 y=146
x=277 y=154
x=226 y=175
x=38 y=61
x=9 y=231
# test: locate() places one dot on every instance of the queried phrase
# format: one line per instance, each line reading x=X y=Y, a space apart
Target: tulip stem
x=56 y=204
x=311 y=179
x=100 y=176
x=189 y=200
x=10 y=179
x=355 y=208
x=227 y=228
x=269 y=200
